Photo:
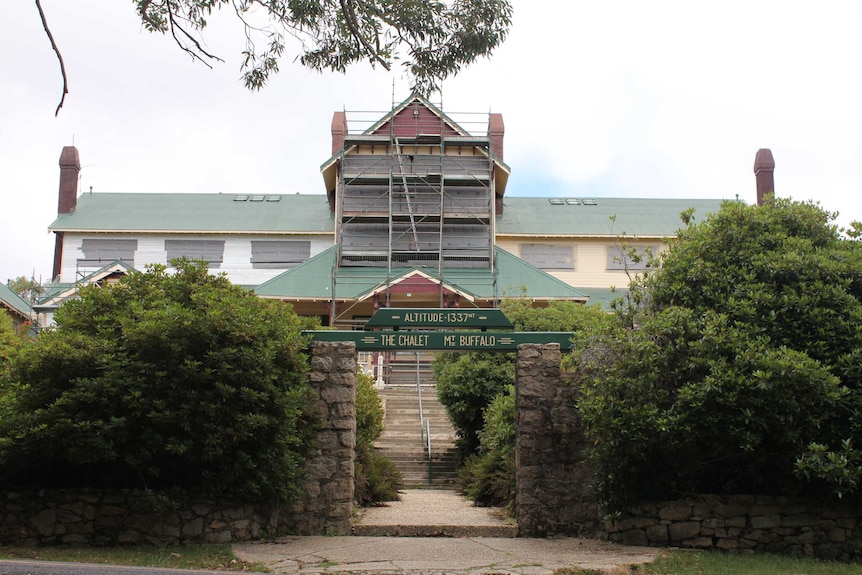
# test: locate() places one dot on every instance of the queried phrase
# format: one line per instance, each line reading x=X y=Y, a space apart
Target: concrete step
x=433 y=513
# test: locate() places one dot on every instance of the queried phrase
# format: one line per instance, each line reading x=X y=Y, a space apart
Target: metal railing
x=424 y=424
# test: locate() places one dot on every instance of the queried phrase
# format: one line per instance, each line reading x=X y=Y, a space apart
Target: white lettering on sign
x=452 y=317
x=477 y=340
x=413 y=340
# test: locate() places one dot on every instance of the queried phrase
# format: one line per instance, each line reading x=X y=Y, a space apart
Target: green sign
x=439 y=317
x=443 y=340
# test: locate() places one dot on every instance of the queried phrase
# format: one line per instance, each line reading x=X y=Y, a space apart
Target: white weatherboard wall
x=236 y=262
x=590 y=259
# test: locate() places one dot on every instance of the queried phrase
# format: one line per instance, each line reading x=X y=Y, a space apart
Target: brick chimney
x=70 y=168
x=338 y=129
x=496 y=130
x=764 y=166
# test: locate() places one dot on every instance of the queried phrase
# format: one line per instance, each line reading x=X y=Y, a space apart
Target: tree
x=739 y=369
x=161 y=381
x=433 y=40
x=26 y=288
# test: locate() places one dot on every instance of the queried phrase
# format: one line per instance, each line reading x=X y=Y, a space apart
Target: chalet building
x=413 y=211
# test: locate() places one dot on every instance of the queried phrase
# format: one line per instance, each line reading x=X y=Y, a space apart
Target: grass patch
x=211 y=557
x=714 y=563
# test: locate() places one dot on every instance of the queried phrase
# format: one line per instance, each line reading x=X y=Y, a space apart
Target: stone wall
x=553 y=476
x=126 y=517
x=744 y=522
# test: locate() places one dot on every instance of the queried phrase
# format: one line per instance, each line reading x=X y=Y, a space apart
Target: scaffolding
x=415 y=190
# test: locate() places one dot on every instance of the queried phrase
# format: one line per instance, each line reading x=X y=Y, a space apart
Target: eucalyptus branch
x=59 y=57
x=175 y=26
x=349 y=17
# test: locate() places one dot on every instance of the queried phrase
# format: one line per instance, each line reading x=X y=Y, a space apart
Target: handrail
x=424 y=424
x=428 y=435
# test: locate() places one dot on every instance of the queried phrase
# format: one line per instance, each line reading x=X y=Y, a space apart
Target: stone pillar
x=327 y=504
x=553 y=473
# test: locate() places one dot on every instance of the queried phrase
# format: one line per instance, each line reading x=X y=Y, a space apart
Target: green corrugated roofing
x=198 y=213
x=604 y=296
x=645 y=217
x=313 y=280
x=309 y=214
x=14 y=301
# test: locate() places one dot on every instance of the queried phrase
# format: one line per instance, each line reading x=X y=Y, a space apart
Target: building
x=413 y=212
x=16 y=308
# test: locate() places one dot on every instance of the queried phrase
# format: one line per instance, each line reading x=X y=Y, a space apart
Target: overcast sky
x=600 y=99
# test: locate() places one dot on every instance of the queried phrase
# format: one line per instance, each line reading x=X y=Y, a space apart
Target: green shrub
x=739 y=369
x=466 y=384
x=369 y=410
x=164 y=380
x=375 y=477
x=488 y=477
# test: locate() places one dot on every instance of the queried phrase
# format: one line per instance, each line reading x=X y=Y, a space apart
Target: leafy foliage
x=164 y=380
x=488 y=477
x=376 y=478
x=9 y=340
x=434 y=39
x=466 y=384
x=744 y=352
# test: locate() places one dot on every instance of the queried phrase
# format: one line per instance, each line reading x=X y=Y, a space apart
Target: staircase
x=404 y=443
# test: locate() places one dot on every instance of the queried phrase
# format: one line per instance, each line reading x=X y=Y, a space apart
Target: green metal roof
x=313 y=280
x=604 y=296
x=198 y=213
x=309 y=214
x=13 y=301
x=585 y=217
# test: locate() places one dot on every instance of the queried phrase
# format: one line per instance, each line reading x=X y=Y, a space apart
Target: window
x=631 y=258
x=549 y=256
x=100 y=252
x=211 y=251
x=279 y=254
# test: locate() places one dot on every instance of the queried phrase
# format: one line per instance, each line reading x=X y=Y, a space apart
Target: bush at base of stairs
x=375 y=477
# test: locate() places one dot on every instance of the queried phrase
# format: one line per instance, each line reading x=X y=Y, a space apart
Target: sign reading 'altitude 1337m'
x=445 y=317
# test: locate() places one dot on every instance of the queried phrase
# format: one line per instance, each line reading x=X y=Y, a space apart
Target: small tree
x=164 y=380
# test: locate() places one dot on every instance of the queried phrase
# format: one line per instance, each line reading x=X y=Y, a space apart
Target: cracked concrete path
x=439 y=555
x=476 y=549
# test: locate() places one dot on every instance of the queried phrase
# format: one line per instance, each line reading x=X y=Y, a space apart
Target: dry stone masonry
x=326 y=507
x=744 y=523
x=553 y=475
x=125 y=517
